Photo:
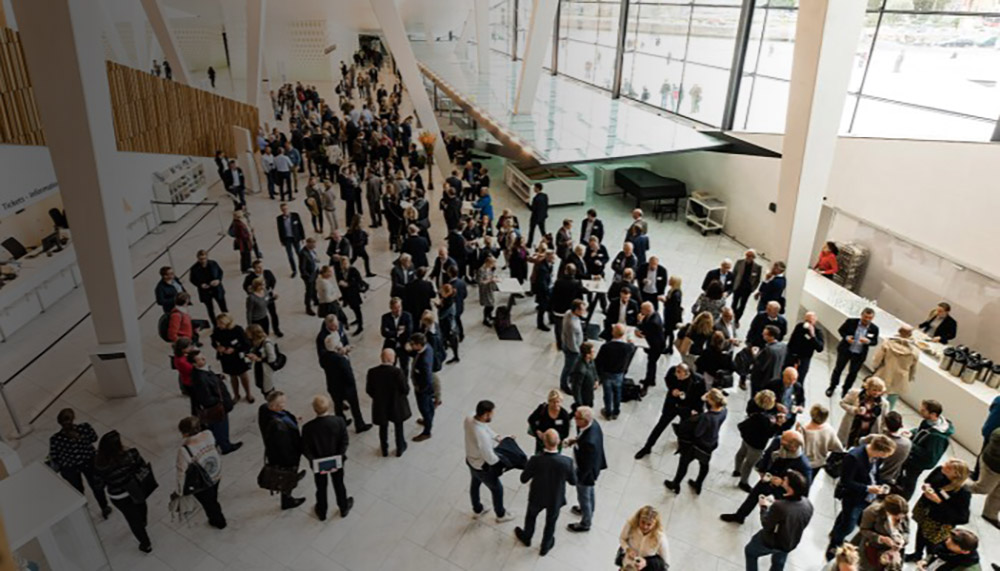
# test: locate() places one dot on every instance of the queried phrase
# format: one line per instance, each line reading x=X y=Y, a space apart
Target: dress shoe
x=370 y=275
x=577 y=527
x=421 y=437
x=348 y=421
x=735 y=474
x=420 y=421
x=673 y=487
x=319 y=516
x=731 y=518
x=519 y=534
x=546 y=547
x=745 y=487
x=576 y=510
x=310 y=312
x=385 y=451
x=400 y=450
x=146 y=548
x=452 y=360
x=829 y=392
x=235 y=446
x=292 y=503
x=350 y=504
x=695 y=486
x=544 y=328
x=294 y=274
x=278 y=333
x=364 y=428
x=642 y=453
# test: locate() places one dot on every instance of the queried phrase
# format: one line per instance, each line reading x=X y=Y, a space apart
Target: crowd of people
x=363 y=147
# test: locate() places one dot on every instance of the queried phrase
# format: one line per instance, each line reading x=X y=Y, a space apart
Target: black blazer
x=652 y=329
x=596 y=261
x=227 y=179
x=755 y=335
x=946 y=331
x=417 y=297
x=612 y=316
x=597 y=230
x=673 y=310
x=203 y=275
x=308 y=266
x=340 y=248
x=297 y=235
x=539 y=207
x=282 y=441
x=589 y=454
x=400 y=278
x=439 y=273
x=417 y=247
x=855 y=476
x=848 y=328
x=804 y=345
x=716 y=275
x=324 y=436
x=564 y=291
x=621 y=263
x=548 y=473
x=167 y=293
x=613 y=357
x=661 y=278
x=394 y=338
x=387 y=386
x=579 y=263
x=457 y=247
x=269 y=280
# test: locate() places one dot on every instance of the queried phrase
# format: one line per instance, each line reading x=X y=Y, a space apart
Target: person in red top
x=180 y=320
x=180 y=363
x=827 y=264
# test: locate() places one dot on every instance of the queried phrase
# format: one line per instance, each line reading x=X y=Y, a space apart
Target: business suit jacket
x=269 y=280
x=548 y=473
x=454 y=182
x=166 y=294
x=855 y=476
x=282 y=441
x=849 y=327
x=539 y=207
x=947 y=330
x=564 y=291
x=457 y=247
x=596 y=260
x=767 y=364
x=324 y=436
x=417 y=297
x=589 y=455
x=803 y=344
x=716 y=275
x=597 y=230
x=640 y=245
x=613 y=315
x=228 y=179
x=308 y=266
x=615 y=290
x=440 y=271
x=622 y=262
x=393 y=338
x=387 y=386
x=738 y=271
x=297 y=235
x=202 y=275
x=340 y=248
x=660 y=277
x=652 y=329
x=755 y=335
x=417 y=247
x=579 y=263
x=721 y=327
x=400 y=277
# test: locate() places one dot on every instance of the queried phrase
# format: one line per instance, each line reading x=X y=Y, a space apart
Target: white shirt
x=268 y=162
x=480 y=440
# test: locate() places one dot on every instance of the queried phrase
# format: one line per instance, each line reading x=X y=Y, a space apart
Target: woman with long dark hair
x=117 y=467
x=71 y=453
x=231 y=345
x=697 y=438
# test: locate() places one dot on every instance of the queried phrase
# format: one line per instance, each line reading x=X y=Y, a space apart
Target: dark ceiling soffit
x=738 y=146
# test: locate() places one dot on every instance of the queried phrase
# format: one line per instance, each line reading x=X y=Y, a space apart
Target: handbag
x=278 y=478
x=142 y=483
x=196 y=477
x=217 y=412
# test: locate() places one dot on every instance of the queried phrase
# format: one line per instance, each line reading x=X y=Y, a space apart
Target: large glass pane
x=769 y=106
x=778 y=44
x=501 y=14
x=652 y=79
x=713 y=36
x=703 y=93
x=588 y=33
x=523 y=21
x=945 y=62
x=658 y=30
x=894 y=120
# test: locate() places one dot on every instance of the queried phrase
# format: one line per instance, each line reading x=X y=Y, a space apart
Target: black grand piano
x=644 y=185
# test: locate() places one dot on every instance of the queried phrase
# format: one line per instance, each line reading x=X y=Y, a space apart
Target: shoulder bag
x=142 y=483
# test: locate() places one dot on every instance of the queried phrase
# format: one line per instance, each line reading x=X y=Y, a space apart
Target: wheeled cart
x=706 y=212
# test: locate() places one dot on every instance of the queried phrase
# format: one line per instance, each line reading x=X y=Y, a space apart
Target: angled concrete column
x=395 y=38
x=161 y=29
x=138 y=20
x=543 y=14
x=826 y=38
x=255 y=42
x=65 y=56
x=482 y=15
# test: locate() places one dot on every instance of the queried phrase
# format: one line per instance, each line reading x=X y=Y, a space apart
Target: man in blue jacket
x=588 y=450
x=859 y=485
x=423 y=382
x=784 y=454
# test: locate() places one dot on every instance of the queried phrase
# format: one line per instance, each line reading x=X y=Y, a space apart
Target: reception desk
x=965 y=405
x=41 y=282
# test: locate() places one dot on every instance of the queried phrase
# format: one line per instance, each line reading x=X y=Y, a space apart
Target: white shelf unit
x=713 y=216
x=564 y=184
x=178 y=187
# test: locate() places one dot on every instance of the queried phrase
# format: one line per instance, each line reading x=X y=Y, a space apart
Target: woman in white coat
x=864 y=411
x=896 y=363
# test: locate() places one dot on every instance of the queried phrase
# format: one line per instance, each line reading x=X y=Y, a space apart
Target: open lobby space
x=499 y=285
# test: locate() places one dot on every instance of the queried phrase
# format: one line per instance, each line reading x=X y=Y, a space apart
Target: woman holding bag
x=263 y=355
x=199 y=469
x=943 y=506
x=129 y=481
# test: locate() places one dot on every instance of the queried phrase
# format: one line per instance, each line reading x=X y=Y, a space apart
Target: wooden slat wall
x=151 y=114
x=154 y=115
x=19 y=120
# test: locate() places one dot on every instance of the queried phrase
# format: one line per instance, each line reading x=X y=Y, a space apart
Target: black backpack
x=196 y=477
x=163 y=327
x=631 y=391
x=502 y=319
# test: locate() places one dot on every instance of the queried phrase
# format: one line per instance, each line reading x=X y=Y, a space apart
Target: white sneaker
x=486 y=510
x=507 y=516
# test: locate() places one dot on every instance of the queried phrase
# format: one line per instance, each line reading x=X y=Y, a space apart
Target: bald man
x=548 y=472
x=783 y=454
x=651 y=329
x=805 y=341
x=387 y=387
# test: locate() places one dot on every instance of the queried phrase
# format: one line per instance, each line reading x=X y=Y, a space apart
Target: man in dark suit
x=423 y=382
x=257 y=270
x=575 y=257
x=860 y=483
x=323 y=437
x=611 y=363
x=457 y=247
x=336 y=364
x=770 y=316
x=539 y=213
x=387 y=386
x=591 y=226
x=769 y=360
x=397 y=326
x=857 y=335
x=337 y=246
x=290 y=233
x=461 y=293
x=235 y=183
x=206 y=275
x=548 y=472
x=783 y=454
x=416 y=246
x=282 y=442
x=625 y=259
x=454 y=182
x=746 y=278
x=588 y=450
x=805 y=341
x=439 y=272
x=683 y=399
x=309 y=268
x=623 y=310
x=652 y=281
x=650 y=328
x=418 y=295
x=566 y=289
x=167 y=289
x=723 y=274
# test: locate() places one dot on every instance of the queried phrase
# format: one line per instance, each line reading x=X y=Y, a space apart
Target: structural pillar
x=161 y=29
x=482 y=14
x=65 y=57
x=543 y=13
x=142 y=49
x=114 y=38
x=255 y=41
x=826 y=38
x=399 y=46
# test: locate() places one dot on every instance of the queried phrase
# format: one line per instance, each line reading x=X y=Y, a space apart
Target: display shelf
x=712 y=217
x=564 y=184
x=177 y=189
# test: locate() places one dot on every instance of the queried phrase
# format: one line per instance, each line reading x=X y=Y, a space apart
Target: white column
x=395 y=38
x=65 y=56
x=164 y=37
x=826 y=38
x=543 y=15
x=255 y=42
x=482 y=10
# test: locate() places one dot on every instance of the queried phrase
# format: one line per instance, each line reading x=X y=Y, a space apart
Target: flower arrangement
x=427 y=140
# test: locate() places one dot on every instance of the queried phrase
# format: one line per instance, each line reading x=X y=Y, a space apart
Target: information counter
x=965 y=405
x=40 y=283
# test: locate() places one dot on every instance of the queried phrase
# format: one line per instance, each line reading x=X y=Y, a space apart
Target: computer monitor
x=15 y=247
x=51 y=243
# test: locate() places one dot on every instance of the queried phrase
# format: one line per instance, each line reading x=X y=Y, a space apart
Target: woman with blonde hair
x=697 y=438
x=943 y=506
x=865 y=408
x=756 y=430
x=264 y=355
x=846 y=558
x=257 y=305
x=231 y=346
x=549 y=415
x=818 y=437
x=643 y=542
